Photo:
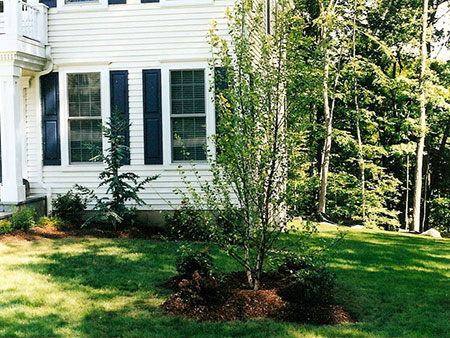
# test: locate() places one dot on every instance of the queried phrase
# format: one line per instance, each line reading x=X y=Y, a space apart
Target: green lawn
x=395 y=285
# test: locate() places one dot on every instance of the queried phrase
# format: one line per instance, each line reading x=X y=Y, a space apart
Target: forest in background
x=369 y=112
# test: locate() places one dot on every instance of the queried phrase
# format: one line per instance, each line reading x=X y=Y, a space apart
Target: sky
x=441 y=52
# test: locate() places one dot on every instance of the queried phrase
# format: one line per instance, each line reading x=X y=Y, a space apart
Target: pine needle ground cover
x=394 y=285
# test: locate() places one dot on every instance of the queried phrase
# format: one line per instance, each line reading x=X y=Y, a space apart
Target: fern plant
x=122 y=187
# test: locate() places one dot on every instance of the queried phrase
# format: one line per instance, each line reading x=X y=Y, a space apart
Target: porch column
x=13 y=18
x=12 y=190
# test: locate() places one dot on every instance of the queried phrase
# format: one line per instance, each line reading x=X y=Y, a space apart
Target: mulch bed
x=52 y=232
x=235 y=301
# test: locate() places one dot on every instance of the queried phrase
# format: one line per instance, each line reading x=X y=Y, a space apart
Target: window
x=188 y=115
x=79 y=1
x=85 y=120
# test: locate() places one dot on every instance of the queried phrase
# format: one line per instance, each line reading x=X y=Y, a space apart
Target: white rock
x=328 y=223
x=432 y=233
x=357 y=227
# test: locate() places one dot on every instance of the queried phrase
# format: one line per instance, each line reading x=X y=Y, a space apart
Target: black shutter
x=117 y=2
x=147 y=1
x=221 y=83
x=49 y=3
x=50 y=119
x=119 y=101
x=221 y=78
x=152 y=116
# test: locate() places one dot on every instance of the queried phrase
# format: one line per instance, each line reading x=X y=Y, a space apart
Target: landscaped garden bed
x=231 y=299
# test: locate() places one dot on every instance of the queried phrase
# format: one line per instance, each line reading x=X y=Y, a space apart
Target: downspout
x=48 y=69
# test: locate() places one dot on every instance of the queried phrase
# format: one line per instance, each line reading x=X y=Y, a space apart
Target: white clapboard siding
x=2 y=23
x=129 y=37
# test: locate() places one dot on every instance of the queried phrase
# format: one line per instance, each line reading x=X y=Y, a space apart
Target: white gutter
x=47 y=70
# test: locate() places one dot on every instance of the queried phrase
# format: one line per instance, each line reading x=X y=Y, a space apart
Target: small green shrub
x=187 y=224
x=69 y=207
x=51 y=221
x=122 y=188
x=440 y=215
x=189 y=261
x=5 y=227
x=313 y=282
x=292 y=263
x=198 y=289
x=23 y=218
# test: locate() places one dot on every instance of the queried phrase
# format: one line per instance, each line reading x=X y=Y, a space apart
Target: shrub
x=51 y=221
x=5 y=227
x=23 y=218
x=440 y=215
x=293 y=263
x=187 y=224
x=189 y=261
x=312 y=281
x=69 y=207
x=315 y=286
x=121 y=187
x=199 y=289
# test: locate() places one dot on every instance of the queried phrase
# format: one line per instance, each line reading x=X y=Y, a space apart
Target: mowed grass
x=394 y=285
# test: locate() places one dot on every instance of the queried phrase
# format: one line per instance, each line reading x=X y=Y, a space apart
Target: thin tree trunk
x=433 y=177
x=247 y=263
x=358 y=118
x=422 y=123
x=425 y=193
x=407 y=193
x=329 y=127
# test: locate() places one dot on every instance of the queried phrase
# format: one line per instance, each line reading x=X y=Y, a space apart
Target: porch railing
x=22 y=19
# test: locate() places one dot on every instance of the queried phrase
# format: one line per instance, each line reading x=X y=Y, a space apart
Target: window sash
x=68 y=2
x=195 y=89
x=83 y=133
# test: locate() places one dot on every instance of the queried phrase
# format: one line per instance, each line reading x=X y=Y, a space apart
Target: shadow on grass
x=392 y=289
x=24 y=325
x=115 y=266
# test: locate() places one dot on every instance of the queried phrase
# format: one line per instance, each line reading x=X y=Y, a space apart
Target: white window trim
x=64 y=111
x=166 y=112
x=88 y=5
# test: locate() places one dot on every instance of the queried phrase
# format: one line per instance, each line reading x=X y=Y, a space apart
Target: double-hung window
x=188 y=115
x=85 y=116
x=79 y=1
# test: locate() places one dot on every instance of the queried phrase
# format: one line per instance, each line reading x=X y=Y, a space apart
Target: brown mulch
x=52 y=232
x=237 y=302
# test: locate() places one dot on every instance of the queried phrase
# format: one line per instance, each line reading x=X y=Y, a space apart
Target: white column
x=13 y=18
x=12 y=190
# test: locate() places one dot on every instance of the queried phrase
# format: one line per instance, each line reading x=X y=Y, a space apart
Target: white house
x=66 y=64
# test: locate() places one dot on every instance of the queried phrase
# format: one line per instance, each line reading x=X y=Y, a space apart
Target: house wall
x=2 y=23
x=168 y=35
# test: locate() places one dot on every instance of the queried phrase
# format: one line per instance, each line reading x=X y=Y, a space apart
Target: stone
x=358 y=226
x=432 y=233
x=328 y=223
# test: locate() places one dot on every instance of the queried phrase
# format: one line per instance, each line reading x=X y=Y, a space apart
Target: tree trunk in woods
x=358 y=118
x=422 y=123
x=407 y=194
x=425 y=194
x=329 y=128
x=434 y=172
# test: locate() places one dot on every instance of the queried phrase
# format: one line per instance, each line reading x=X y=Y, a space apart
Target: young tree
x=249 y=169
x=422 y=121
x=327 y=11
x=122 y=187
